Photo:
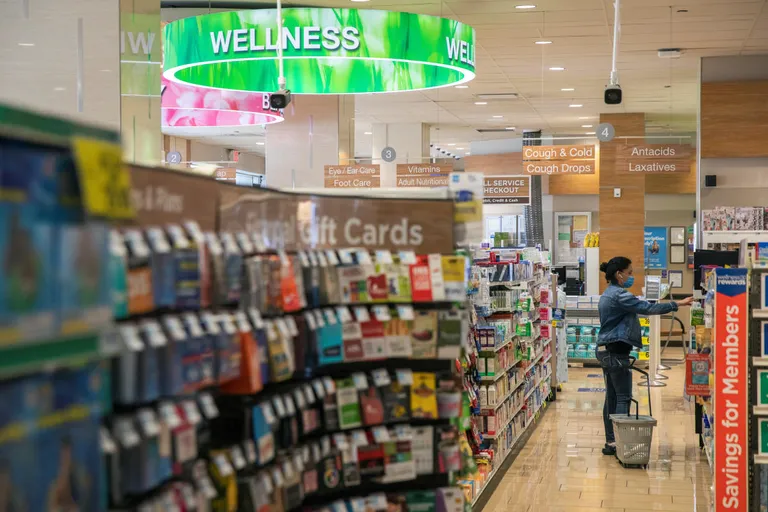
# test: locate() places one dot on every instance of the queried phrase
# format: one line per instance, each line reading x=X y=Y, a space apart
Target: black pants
x=618 y=387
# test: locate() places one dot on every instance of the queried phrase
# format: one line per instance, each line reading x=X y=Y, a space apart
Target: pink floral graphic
x=184 y=105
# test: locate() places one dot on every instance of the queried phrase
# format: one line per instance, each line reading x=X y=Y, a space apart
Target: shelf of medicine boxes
x=509 y=434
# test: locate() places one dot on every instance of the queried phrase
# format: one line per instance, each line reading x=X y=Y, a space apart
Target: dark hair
x=615 y=264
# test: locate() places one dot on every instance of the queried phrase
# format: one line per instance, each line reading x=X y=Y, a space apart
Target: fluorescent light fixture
x=584 y=117
x=575 y=105
x=460 y=149
x=567 y=89
x=543 y=42
x=557 y=68
x=497 y=117
x=586 y=126
x=590 y=133
x=462 y=87
x=525 y=6
x=360 y=0
x=452 y=144
x=26 y=44
x=481 y=103
x=367 y=133
x=509 y=128
x=467 y=154
x=59 y=89
x=259 y=143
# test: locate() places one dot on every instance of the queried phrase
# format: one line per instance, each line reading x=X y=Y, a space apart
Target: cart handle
x=637 y=409
x=648 y=376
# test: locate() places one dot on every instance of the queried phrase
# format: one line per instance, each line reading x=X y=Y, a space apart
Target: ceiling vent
x=495 y=130
x=500 y=96
x=670 y=53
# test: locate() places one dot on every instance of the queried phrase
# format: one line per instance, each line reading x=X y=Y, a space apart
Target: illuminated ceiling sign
x=188 y=106
x=325 y=51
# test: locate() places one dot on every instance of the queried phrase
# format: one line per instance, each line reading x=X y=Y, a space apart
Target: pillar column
x=410 y=142
x=317 y=131
x=622 y=219
x=140 y=70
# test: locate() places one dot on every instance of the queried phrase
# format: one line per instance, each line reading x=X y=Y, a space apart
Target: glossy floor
x=561 y=468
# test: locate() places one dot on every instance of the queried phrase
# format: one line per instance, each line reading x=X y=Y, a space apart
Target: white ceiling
x=508 y=60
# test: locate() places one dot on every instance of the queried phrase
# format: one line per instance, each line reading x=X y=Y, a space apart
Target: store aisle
x=561 y=468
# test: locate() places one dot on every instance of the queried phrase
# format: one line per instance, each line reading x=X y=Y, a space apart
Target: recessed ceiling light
x=543 y=42
x=452 y=144
x=586 y=126
x=26 y=44
x=567 y=89
x=557 y=68
x=509 y=128
x=361 y=0
x=462 y=87
x=497 y=117
x=59 y=89
x=584 y=117
x=525 y=6
x=106 y=70
x=590 y=133
x=259 y=143
x=481 y=103
x=367 y=133
x=461 y=149
x=575 y=105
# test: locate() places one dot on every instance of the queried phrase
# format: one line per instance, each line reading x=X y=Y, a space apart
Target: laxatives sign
x=507 y=190
x=731 y=415
x=654 y=158
x=547 y=160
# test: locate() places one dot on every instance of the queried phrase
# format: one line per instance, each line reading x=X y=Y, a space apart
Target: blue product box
x=85 y=293
x=260 y=335
x=764 y=338
x=764 y=290
x=187 y=276
x=329 y=344
x=118 y=274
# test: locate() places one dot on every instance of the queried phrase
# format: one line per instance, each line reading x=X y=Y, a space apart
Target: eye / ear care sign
x=730 y=394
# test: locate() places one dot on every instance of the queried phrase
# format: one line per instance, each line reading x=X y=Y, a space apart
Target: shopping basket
x=634 y=433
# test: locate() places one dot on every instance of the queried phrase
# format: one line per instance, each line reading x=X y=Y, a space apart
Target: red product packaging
x=421 y=283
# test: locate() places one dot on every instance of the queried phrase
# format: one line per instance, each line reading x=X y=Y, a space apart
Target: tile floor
x=561 y=468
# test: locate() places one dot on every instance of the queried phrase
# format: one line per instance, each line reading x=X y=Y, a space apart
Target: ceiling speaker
x=710 y=180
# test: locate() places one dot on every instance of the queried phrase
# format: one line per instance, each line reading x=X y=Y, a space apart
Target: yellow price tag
x=643 y=356
x=645 y=340
x=645 y=322
x=105 y=182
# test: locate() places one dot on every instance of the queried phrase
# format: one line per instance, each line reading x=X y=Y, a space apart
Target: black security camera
x=280 y=99
x=613 y=94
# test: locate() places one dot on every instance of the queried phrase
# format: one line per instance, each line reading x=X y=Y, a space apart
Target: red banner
x=697 y=375
x=731 y=419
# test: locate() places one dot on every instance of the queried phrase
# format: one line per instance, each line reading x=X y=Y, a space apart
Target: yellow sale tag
x=643 y=356
x=645 y=340
x=645 y=322
x=105 y=182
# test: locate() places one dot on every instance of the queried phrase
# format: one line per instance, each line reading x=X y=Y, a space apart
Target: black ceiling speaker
x=710 y=180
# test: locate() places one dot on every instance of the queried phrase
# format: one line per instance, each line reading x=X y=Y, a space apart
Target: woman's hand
x=685 y=302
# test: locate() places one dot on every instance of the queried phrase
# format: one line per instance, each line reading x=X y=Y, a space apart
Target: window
x=511 y=229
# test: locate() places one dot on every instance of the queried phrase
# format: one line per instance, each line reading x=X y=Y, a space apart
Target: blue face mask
x=629 y=282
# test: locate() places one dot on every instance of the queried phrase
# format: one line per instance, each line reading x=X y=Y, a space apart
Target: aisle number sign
x=731 y=392
x=105 y=183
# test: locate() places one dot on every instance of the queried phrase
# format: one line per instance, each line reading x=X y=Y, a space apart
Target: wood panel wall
x=622 y=220
x=673 y=183
x=734 y=119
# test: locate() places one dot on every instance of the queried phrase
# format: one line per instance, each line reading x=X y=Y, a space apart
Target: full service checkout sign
x=353 y=176
x=507 y=190
x=730 y=396
x=540 y=160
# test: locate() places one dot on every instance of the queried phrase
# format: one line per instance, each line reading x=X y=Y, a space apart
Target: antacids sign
x=326 y=51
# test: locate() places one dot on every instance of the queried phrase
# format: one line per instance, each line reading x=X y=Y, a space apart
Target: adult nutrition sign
x=731 y=392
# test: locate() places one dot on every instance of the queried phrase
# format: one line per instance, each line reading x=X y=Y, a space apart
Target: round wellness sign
x=325 y=51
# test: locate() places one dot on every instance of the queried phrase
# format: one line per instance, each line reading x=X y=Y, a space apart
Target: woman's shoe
x=609 y=449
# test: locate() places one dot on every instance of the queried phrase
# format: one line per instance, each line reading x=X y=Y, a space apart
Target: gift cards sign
x=352 y=176
x=423 y=175
x=507 y=190
x=547 y=160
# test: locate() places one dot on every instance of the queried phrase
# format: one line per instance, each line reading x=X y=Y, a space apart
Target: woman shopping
x=619 y=334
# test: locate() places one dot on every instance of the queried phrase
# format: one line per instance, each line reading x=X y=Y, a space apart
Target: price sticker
x=345 y=316
x=293 y=329
x=227 y=322
x=106 y=441
x=129 y=333
x=192 y=412
x=174 y=327
x=360 y=380
x=361 y=314
x=238 y=459
x=279 y=405
x=313 y=260
x=299 y=398
x=208 y=405
x=258 y=241
x=381 y=377
x=249 y=448
x=333 y=259
x=364 y=257
x=330 y=316
x=169 y=415
x=158 y=240
x=311 y=322
x=319 y=318
x=229 y=243
x=405 y=312
x=154 y=334
x=214 y=243
x=245 y=243
x=303 y=258
x=345 y=256
x=381 y=312
x=330 y=386
x=319 y=388
x=148 y=422
x=193 y=325
x=290 y=407
x=256 y=320
x=268 y=412
x=105 y=182
x=243 y=325
x=309 y=395
x=178 y=237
